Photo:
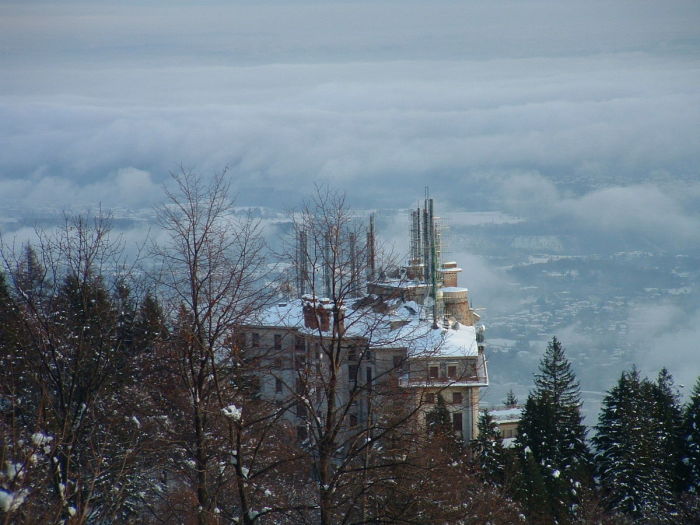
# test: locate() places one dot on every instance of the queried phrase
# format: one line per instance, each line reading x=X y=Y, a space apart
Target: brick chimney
x=449 y=272
x=316 y=314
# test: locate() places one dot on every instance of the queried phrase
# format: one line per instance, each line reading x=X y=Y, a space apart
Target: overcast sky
x=99 y=100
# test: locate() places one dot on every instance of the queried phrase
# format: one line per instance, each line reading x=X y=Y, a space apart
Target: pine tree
x=551 y=429
x=10 y=320
x=692 y=438
x=531 y=490
x=668 y=412
x=440 y=432
x=125 y=304
x=19 y=457
x=71 y=385
x=150 y=325
x=14 y=370
x=438 y=419
x=488 y=450
x=633 y=476
x=510 y=401
x=30 y=274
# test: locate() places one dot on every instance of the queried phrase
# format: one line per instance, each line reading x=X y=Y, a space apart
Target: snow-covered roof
x=287 y=315
x=401 y=283
x=452 y=289
x=509 y=442
x=396 y=324
x=506 y=415
x=457 y=341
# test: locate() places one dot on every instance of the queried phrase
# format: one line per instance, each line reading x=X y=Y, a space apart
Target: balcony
x=420 y=381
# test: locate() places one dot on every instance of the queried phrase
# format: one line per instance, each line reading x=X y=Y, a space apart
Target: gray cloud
x=376 y=98
x=129 y=188
x=641 y=209
x=664 y=213
x=667 y=335
x=346 y=133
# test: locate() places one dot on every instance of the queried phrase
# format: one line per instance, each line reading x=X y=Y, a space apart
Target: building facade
x=406 y=337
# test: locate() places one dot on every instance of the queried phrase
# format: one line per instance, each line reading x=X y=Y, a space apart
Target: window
x=278 y=342
x=472 y=369
x=302 y=434
x=300 y=361
x=352 y=354
x=430 y=398
x=278 y=385
x=301 y=409
x=368 y=376
x=239 y=340
x=457 y=421
x=368 y=355
x=299 y=345
x=433 y=372
x=352 y=373
x=398 y=361
x=457 y=398
x=452 y=371
x=256 y=340
x=353 y=420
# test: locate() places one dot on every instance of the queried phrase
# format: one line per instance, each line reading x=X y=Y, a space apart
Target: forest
x=127 y=397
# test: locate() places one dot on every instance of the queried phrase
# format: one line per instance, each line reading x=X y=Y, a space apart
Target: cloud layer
x=377 y=98
x=664 y=212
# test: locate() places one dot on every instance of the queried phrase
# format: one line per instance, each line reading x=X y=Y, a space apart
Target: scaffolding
x=415 y=237
x=302 y=263
x=371 y=255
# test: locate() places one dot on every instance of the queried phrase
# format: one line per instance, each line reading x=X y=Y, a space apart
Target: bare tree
x=211 y=274
x=345 y=389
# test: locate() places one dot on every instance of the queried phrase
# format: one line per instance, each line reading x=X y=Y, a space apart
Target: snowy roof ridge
x=401 y=323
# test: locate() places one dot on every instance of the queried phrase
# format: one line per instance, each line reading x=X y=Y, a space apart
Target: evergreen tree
x=440 y=431
x=692 y=438
x=438 y=419
x=80 y=440
x=19 y=457
x=551 y=429
x=30 y=274
x=126 y=314
x=633 y=474
x=14 y=371
x=510 y=400
x=531 y=489
x=10 y=320
x=669 y=414
x=488 y=450
x=150 y=325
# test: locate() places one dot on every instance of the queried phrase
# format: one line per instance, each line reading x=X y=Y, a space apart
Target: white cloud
x=641 y=209
x=129 y=188
x=666 y=335
x=663 y=213
x=376 y=98
x=531 y=195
